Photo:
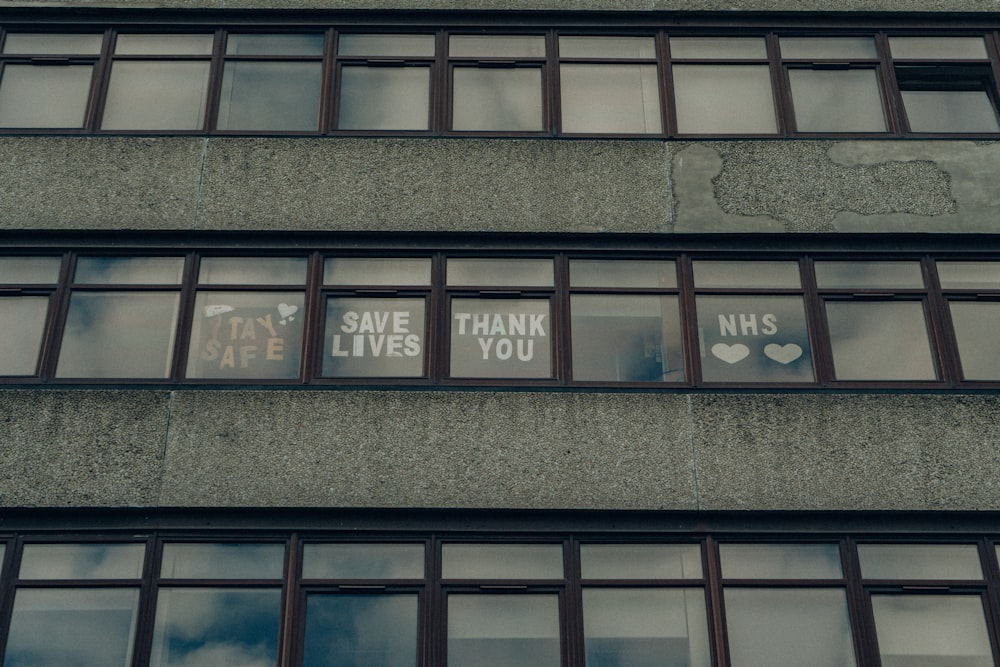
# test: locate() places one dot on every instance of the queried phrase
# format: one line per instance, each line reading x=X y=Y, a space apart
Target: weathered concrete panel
x=99 y=182
x=81 y=448
x=853 y=452
x=419 y=185
x=429 y=449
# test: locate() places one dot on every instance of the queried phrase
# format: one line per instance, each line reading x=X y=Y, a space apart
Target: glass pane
x=931 y=630
x=167 y=45
x=846 y=275
x=118 y=335
x=746 y=275
x=361 y=631
x=976 y=325
x=129 y=270
x=93 y=627
x=718 y=48
x=253 y=270
x=52 y=44
x=270 y=96
x=824 y=48
x=920 y=561
x=374 y=337
x=496 y=46
x=882 y=340
x=22 y=325
x=950 y=111
x=372 y=271
x=248 y=335
x=33 y=96
x=156 y=96
x=386 y=45
x=622 y=273
x=705 y=96
x=607 y=47
x=645 y=627
x=621 y=338
x=222 y=561
x=503 y=630
x=275 y=45
x=780 y=561
x=938 y=48
x=384 y=98
x=502 y=561
x=754 y=339
x=610 y=98
x=29 y=270
x=837 y=100
x=205 y=626
x=363 y=561
x=957 y=275
x=502 y=100
x=789 y=627
x=640 y=561
x=500 y=338
x=82 y=561
x=500 y=272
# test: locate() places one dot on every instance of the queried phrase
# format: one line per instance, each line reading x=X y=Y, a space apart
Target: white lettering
x=748 y=324
x=521 y=353
x=727 y=325
x=536 y=325
x=486 y=344
x=462 y=319
x=350 y=324
x=769 y=324
x=335 y=350
x=504 y=349
x=400 y=322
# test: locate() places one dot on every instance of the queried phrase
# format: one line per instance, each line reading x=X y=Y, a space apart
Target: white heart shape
x=731 y=354
x=783 y=354
x=287 y=310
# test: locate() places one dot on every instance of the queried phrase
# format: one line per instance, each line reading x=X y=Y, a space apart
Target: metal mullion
x=781 y=96
x=944 y=347
x=859 y=615
x=8 y=590
x=690 y=339
x=101 y=79
x=895 y=111
x=185 y=316
x=56 y=328
x=440 y=81
x=819 y=334
x=146 y=610
x=310 y=361
x=288 y=638
x=991 y=572
x=668 y=107
x=215 y=72
x=551 y=86
x=561 y=334
x=329 y=82
x=714 y=603
x=436 y=346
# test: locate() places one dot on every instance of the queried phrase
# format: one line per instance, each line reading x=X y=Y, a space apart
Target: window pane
x=506 y=338
x=253 y=270
x=640 y=561
x=882 y=340
x=950 y=111
x=789 y=627
x=607 y=47
x=938 y=48
x=643 y=627
x=707 y=95
x=384 y=98
x=621 y=338
x=754 y=339
x=610 y=98
x=156 y=96
x=167 y=45
x=386 y=45
x=976 y=325
x=920 y=561
x=361 y=631
x=93 y=627
x=377 y=271
x=502 y=100
x=22 y=325
x=270 y=96
x=33 y=96
x=746 y=275
x=496 y=46
x=374 y=337
x=222 y=561
x=363 y=561
x=129 y=270
x=501 y=272
x=29 y=270
x=837 y=101
x=823 y=48
x=118 y=335
x=52 y=44
x=931 y=630
x=275 y=45
x=717 y=48
x=967 y=275
x=503 y=630
x=82 y=561
x=209 y=626
x=502 y=561
x=845 y=275
x=622 y=273
x=780 y=561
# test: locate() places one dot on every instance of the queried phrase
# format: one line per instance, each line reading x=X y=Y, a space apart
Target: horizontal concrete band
x=483 y=449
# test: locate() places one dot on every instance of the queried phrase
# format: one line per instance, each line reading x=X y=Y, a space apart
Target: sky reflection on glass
x=920 y=561
x=503 y=630
x=640 y=561
x=222 y=561
x=780 y=561
x=502 y=561
x=885 y=340
x=363 y=561
x=918 y=630
x=82 y=561
x=22 y=324
x=361 y=631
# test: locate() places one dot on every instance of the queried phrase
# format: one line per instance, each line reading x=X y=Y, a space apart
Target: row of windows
x=556 y=319
x=521 y=82
x=295 y=600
